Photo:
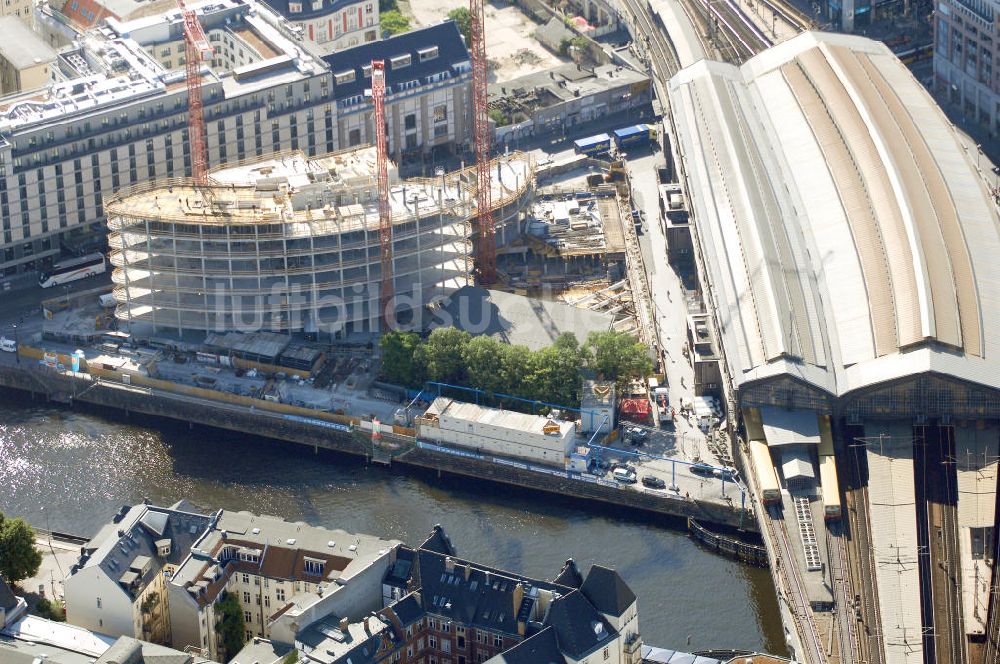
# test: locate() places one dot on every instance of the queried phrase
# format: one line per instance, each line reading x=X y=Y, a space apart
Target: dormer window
x=344 y=77
x=294 y=7
x=428 y=53
x=400 y=61
x=366 y=71
x=314 y=566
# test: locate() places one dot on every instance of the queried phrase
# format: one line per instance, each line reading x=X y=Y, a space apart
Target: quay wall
x=341 y=434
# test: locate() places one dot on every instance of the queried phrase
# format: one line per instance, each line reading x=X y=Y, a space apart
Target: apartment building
x=158 y=574
x=333 y=25
x=441 y=609
x=26 y=61
x=119 y=117
x=21 y=9
x=966 y=41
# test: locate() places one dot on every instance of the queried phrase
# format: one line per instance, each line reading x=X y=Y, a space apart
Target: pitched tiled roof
x=439 y=542
x=569 y=575
x=542 y=648
x=607 y=591
x=579 y=628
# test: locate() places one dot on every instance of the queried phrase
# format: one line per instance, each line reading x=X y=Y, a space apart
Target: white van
x=624 y=475
x=8 y=345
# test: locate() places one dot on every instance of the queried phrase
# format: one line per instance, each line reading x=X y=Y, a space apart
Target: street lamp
x=17 y=345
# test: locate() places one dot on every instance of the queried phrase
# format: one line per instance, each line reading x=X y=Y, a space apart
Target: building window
x=99 y=602
x=247 y=616
x=498 y=641
x=313 y=566
x=246 y=578
x=279 y=594
x=246 y=597
x=432 y=642
x=607 y=653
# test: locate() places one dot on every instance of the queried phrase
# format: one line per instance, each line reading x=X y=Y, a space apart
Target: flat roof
x=846 y=230
x=504 y=419
x=20 y=46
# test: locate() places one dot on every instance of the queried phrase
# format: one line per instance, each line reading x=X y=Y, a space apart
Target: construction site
x=291 y=243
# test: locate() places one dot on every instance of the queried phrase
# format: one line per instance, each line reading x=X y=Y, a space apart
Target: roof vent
x=290 y=541
x=331 y=544
x=353 y=547
x=256 y=531
x=598 y=629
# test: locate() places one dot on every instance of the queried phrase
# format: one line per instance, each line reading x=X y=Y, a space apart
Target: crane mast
x=197 y=48
x=486 y=248
x=384 y=211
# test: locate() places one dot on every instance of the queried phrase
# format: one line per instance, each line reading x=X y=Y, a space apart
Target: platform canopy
x=789 y=427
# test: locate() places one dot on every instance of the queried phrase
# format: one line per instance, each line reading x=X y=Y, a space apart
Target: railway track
x=949 y=550
x=662 y=58
x=798 y=602
x=870 y=643
x=845 y=623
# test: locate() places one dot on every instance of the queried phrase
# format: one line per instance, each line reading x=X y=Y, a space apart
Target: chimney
x=468 y=571
x=366 y=625
x=343 y=624
x=449 y=565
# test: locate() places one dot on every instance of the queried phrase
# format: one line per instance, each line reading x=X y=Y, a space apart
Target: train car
x=593 y=146
x=634 y=136
x=767 y=477
x=830 y=486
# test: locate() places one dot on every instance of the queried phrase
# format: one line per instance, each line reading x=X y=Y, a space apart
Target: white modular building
x=495 y=431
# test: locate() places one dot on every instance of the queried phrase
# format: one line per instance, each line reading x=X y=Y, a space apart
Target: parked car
x=624 y=475
x=653 y=482
x=724 y=473
x=702 y=468
x=8 y=345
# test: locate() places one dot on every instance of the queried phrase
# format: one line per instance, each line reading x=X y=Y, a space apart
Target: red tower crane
x=486 y=248
x=197 y=48
x=384 y=211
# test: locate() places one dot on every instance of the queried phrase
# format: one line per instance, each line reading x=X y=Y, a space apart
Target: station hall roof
x=848 y=236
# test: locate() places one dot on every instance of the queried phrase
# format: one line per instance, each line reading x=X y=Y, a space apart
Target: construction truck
x=665 y=414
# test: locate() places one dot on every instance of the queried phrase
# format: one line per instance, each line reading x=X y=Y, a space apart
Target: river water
x=83 y=466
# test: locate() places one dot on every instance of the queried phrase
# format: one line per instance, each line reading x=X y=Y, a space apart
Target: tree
x=517 y=371
x=559 y=371
x=230 y=625
x=440 y=357
x=618 y=356
x=483 y=358
x=50 y=610
x=19 y=558
x=463 y=19
x=394 y=22
x=398 y=363
x=291 y=658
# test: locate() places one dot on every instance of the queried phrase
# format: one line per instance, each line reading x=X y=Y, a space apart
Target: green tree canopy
x=483 y=358
x=618 y=356
x=398 y=362
x=441 y=356
x=394 y=22
x=230 y=624
x=19 y=558
x=463 y=19
x=551 y=375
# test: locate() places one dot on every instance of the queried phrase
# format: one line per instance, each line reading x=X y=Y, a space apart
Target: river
x=82 y=466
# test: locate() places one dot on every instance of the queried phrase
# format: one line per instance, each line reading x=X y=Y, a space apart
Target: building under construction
x=291 y=243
